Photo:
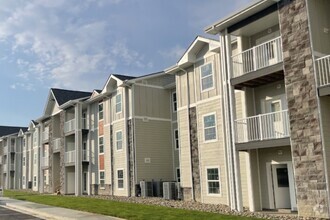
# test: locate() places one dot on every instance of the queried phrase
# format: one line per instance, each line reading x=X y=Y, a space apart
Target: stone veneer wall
x=130 y=136
x=62 y=150
x=301 y=91
x=194 y=153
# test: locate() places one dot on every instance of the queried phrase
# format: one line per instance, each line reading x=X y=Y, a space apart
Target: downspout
x=191 y=166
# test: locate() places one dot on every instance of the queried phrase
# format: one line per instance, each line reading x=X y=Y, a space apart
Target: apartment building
x=11 y=142
x=204 y=157
x=277 y=53
x=132 y=122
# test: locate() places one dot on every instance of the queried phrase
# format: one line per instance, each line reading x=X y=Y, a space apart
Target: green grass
x=117 y=209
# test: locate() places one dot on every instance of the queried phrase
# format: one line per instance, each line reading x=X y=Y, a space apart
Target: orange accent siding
x=101 y=159
x=101 y=128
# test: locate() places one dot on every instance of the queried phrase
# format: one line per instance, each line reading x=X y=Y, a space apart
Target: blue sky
x=77 y=44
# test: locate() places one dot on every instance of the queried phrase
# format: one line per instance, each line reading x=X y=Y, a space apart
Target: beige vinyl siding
x=55 y=109
x=243 y=156
x=152 y=102
x=107 y=154
x=268 y=155
x=174 y=113
x=185 y=160
x=119 y=159
x=162 y=80
x=154 y=140
x=240 y=104
x=212 y=154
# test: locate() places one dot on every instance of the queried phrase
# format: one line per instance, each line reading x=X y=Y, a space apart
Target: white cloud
x=173 y=53
x=55 y=46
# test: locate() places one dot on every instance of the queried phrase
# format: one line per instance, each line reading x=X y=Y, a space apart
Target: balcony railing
x=12 y=149
x=69 y=126
x=56 y=144
x=258 y=57
x=12 y=167
x=5 y=168
x=45 y=135
x=85 y=155
x=45 y=161
x=84 y=123
x=70 y=157
x=262 y=127
x=323 y=70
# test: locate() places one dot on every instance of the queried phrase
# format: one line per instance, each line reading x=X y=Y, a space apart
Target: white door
x=281 y=186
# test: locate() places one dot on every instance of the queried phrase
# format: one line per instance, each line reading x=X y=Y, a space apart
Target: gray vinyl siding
x=154 y=140
x=152 y=102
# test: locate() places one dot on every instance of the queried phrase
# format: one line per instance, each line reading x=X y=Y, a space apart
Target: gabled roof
x=7 y=130
x=123 y=77
x=189 y=56
x=62 y=96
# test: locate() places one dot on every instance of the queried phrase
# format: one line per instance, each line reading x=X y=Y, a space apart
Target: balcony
x=5 y=150
x=70 y=157
x=5 y=167
x=12 y=167
x=85 y=155
x=258 y=57
x=12 y=149
x=84 y=123
x=323 y=70
x=70 y=126
x=56 y=145
x=268 y=126
x=45 y=161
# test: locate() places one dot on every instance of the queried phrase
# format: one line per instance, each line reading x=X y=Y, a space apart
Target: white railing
x=12 y=167
x=262 y=127
x=70 y=157
x=57 y=144
x=69 y=126
x=45 y=135
x=85 y=155
x=45 y=161
x=84 y=123
x=258 y=57
x=323 y=70
x=5 y=150
x=12 y=149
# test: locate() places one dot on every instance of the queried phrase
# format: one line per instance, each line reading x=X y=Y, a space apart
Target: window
x=46 y=179
x=213 y=183
x=35 y=158
x=118 y=103
x=102 y=179
x=210 y=132
x=101 y=148
x=23 y=161
x=178 y=175
x=23 y=180
x=174 y=101
x=176 y=139
x=34 y=181
x=120 y=179
x=100 y=110
x=24 y=143
x=119 y=140
x=35 y=138
x=206 y=76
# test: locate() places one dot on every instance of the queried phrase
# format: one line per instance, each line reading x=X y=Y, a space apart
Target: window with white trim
x=178 y=175
x=174 y=102
x=118 y=103
x=101 y=146
x=210 y=131
x=213 y=182
x=23 y=180
x=176 y=139
x=206 y=76
x=35 y=158
x=34 y=181
x=46 y=177
x=119 y=140
x=24 y=161
x=120 y=179
x=102 y=177
x=101 y=111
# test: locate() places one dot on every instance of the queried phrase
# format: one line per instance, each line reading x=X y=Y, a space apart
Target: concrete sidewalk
x=50 y=212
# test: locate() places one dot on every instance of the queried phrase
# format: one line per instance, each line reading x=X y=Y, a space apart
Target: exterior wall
x=153 y=150
x=307 y=147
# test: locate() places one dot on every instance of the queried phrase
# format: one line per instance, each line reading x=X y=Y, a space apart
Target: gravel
x=214 y=208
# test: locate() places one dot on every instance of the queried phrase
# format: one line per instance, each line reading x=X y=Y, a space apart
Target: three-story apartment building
x=280 y=60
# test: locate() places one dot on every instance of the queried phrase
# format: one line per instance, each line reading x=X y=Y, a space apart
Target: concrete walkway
x=50 y=212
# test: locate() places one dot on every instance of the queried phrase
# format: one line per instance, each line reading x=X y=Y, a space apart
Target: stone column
x=301 y=91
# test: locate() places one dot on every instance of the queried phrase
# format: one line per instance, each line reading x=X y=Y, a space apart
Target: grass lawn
x=117 y=209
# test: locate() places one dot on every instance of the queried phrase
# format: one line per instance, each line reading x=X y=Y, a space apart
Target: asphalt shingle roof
x=7 y=130
x=62 y=96
x=123 y=77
